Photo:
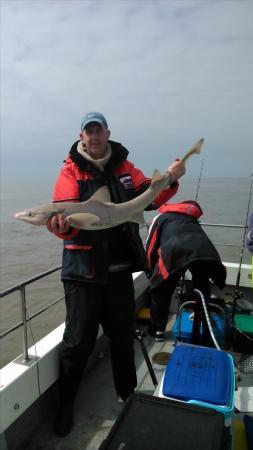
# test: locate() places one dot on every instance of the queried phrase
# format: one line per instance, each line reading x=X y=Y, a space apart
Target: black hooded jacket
x=176 y=240
x=88 y=254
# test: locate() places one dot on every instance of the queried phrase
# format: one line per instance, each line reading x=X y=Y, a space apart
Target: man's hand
x=177 y=170
x=58 y=224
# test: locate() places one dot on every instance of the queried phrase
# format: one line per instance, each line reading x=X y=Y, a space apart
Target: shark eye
x=29 y=214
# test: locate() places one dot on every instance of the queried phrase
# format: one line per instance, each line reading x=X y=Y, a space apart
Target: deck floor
x=97 y=407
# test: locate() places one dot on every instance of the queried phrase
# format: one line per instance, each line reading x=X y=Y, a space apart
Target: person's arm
x=66 y=189
x=60 y=226
x=152 y=245
x=142 y=183
x=177 y=170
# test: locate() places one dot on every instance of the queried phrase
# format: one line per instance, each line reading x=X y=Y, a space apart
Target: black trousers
x=161 y=296
x=88 y=305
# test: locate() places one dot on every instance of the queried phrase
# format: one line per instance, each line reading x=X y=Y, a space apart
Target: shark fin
x=138 y=218
x=102 y=195
x=156 y=176
x=83 y=221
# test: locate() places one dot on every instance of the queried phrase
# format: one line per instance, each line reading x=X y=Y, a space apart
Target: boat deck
x=97 y=407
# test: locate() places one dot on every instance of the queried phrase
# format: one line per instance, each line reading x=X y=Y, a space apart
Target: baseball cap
x=93 y=116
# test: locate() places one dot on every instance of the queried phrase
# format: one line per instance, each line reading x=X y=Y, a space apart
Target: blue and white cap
x=93 y=116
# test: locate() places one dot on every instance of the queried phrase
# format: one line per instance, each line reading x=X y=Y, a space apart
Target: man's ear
x=108 y=134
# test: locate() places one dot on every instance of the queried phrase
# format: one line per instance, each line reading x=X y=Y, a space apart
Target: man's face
x=95 y=138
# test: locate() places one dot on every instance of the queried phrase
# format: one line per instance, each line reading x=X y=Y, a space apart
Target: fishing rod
x=200 y=174
x=182 y=284
x=236 y=291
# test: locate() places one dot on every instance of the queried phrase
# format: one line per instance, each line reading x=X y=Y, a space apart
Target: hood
x=188 y=207
x=119 y=154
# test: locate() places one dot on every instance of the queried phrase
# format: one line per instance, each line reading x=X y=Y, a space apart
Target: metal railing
x=21 y=287
x=225 y=225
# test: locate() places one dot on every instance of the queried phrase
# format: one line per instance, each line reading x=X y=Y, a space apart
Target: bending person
x=176 y=243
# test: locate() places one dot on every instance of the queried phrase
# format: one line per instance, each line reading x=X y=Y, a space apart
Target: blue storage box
x=228 y=409
x=186 y=323
x=198 y=373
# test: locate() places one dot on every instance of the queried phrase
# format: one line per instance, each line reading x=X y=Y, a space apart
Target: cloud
x=164 y=72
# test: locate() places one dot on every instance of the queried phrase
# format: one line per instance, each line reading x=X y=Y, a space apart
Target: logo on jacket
x=126 y=180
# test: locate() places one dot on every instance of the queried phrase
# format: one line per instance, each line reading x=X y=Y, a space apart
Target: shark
x=99 y=212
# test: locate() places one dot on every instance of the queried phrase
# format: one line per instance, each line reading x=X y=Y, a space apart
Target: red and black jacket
x=176 y=239
x=87 y=254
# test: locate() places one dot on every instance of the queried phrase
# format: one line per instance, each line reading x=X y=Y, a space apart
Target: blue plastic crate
x=227 y=411
x=186 y=324
x=198 y=373
x=229 y=408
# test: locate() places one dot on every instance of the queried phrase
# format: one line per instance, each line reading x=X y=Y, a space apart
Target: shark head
x=35 y=216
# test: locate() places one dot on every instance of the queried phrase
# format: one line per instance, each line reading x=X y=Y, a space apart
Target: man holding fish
x=100 y=253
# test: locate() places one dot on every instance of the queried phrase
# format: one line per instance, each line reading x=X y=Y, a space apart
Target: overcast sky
x=164 y=73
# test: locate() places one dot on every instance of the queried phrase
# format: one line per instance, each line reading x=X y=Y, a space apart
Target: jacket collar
x=188 y=207
x=119 y=154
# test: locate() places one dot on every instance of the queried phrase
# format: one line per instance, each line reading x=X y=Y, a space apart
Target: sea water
x=27 y=250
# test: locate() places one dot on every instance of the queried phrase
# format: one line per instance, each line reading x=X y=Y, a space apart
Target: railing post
x=23 y=309
x=24 y=359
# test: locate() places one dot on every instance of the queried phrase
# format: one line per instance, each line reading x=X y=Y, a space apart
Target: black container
x=153 y=423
